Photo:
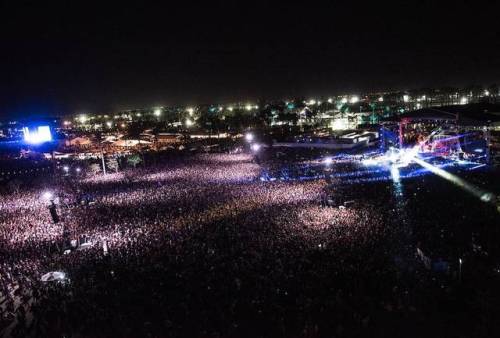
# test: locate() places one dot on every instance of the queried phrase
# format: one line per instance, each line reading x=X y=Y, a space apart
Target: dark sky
x=62 y=57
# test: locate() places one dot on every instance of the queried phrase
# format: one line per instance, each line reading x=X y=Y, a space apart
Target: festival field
x=202 y=246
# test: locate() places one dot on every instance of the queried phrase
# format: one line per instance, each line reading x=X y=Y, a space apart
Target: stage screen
x=37 y=135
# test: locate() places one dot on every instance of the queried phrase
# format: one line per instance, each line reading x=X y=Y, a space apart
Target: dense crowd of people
x=201 y=246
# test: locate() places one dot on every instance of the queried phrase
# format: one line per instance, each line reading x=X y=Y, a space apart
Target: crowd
x=201 y=247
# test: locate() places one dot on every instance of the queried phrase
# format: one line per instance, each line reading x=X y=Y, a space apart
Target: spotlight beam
x=483 y=195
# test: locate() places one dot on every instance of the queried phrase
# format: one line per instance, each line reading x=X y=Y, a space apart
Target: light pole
x=460 y=270
x=49 y=196
x=103 y=162
x=256 y=149
x=327 y=169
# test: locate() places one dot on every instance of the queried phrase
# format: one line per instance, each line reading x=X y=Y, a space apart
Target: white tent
x=79 y=141
x=129 y=143
x=54 y=276
x=85 y=245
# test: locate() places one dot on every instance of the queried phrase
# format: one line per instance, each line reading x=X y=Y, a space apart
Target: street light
x=460 y=269
x=328 y=161
x=157 y=112
x=66 y=168
x=249 y=137
x=78 y=170
x=189 y=123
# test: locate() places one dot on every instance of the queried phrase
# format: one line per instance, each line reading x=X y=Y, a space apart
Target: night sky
x=65 y=58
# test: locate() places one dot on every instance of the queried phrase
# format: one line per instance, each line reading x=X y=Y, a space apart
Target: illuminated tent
x=54 y=276
x=79 y=141
x=130 y=143
x=85 y=245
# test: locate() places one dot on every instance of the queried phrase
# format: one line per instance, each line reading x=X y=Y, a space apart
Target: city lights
x=328 y=160
x=249 y=137
x=337 y=117
x=255 y=147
